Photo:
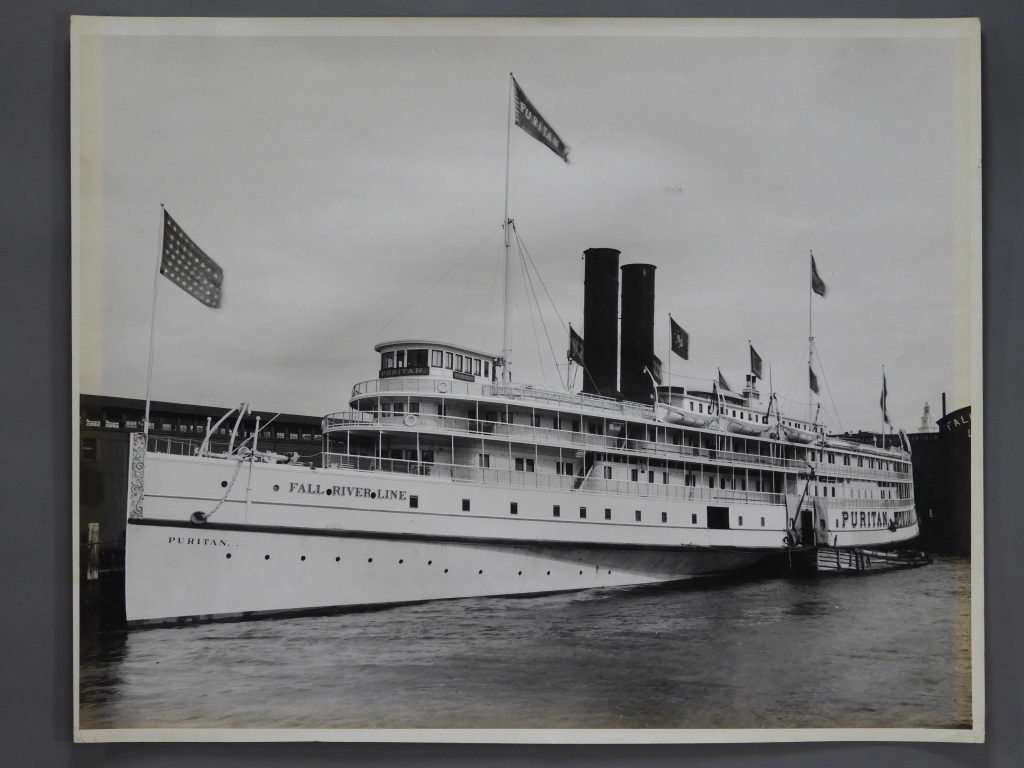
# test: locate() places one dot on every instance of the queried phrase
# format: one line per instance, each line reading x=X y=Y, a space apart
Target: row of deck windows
x=556 y=511
x=452 y=361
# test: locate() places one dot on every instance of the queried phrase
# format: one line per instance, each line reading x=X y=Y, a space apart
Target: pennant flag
x=814 y=381
x=755 y=363
x=529 y=120
x=884 y=401
x=722 y=382
x=575 y=347
x=680 y=340
x=656 y=368
x=187 y=265
x=817 y=284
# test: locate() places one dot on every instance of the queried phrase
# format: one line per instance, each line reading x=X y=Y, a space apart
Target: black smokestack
x=637 y=332
x=600 y=320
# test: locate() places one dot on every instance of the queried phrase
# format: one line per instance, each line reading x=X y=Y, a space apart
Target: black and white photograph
x=527 y=380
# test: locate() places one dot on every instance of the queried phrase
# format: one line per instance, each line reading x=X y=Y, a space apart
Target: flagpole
x=810 y=336
x=152 y=319
x=506 y=352
x=670 y=353
x=884 y=404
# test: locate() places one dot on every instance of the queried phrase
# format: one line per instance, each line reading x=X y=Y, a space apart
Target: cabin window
x=484 y=460
x=414 y=502
x=400 y=359
x=607 y=514
x=693 y=519
x=458 y=363
x=734 y=413
x=476 y=366
x=556 y=511
x=664 y=517
x=428 y=457
x=399 y=409
x=575 y=425
x=711 y=481
x=762 y=522
x=465 y=505
x=634 y=475
x=638 y=515
x=650 y=476
x=607 y=473
x=583 y=513
x=831 y=458
x=700 y=407
x=529 y=465
x=487 y=369
x=833 y=491
x=387 y=360
x=414 y=407
x=741 y=519
x=568 y=467
x=513 y=508
x=519 y=464
x=436 y=358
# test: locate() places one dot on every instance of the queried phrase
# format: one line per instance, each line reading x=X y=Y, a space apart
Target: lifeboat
x=744 y=427
x=674 y=415
x=797 y=435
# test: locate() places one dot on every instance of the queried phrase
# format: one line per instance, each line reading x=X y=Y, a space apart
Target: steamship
x=443 y=479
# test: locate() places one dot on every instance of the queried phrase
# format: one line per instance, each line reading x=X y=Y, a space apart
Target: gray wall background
x=35 y=468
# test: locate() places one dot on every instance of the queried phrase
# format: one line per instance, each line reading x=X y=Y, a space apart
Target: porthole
x=337 y=559
x=302 y=558
x=609 y=573
x=446 y=570
x=401 y=561
x=581 y=573
x=277 y=487
x=549 y=573
x=479 y=572
x=520 y=573
x=430 y=562
x=266 y=557
x=223 y=483
x=228 y=555
x=369 y=560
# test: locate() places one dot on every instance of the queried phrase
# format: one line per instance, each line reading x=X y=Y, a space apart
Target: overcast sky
x=335 y=178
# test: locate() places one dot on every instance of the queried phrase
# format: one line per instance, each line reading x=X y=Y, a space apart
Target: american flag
x=187 y=265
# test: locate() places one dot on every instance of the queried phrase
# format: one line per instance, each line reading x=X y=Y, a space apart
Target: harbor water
x=872 y=650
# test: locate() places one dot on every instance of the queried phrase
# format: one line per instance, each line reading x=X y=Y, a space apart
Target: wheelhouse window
x=417 y=358
x=387 y=360
x=487 y=369
x=400 y=359
x=436 y=358
x=449 y=357
x=458 y=363
x=477 y=366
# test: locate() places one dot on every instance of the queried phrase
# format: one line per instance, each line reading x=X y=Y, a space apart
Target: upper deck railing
x=561 y=438
x=576 y=402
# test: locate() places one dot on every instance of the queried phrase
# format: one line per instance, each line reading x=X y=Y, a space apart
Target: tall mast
x=506 y=352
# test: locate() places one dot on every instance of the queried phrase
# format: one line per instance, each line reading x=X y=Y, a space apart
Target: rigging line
x=543 y=323
x=553 y=305
x=537 y=301
x=533 y=322
x=490 y=305
x=442 y=277
x=828 y=388
x=547 y=334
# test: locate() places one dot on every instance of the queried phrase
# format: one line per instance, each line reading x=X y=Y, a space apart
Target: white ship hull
x=285 y=538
